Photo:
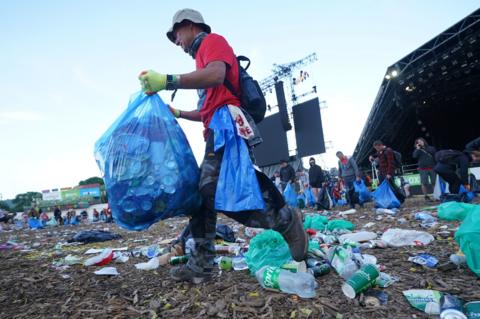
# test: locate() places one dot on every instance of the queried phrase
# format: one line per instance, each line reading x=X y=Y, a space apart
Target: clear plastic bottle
x=301 y=284
x=387 y=211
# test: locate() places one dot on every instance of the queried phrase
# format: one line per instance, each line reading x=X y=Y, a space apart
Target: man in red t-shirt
x=216 y=62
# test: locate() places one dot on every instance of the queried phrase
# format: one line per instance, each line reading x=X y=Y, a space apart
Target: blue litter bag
x=34 y=223
x=310 y=199
x=290 y=195
x=149 y=169
x=364 y=194
x=384 y=196
x=237 y=187
x=466 y=196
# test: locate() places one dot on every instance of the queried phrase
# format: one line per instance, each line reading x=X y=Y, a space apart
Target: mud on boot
x=184 y=273
x=290 y=225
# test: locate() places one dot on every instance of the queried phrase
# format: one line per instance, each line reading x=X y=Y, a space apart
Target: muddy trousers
x=203 y=223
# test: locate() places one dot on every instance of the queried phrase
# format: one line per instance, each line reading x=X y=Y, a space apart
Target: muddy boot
x=184 y=273
x=200 y=264
x=290 y=225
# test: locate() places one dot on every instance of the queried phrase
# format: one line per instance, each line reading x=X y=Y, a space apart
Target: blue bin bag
x=465 y=195
x=34 y=223
x=384 y=196
x=148 y=167
x=237 y=186
x=290 y=195
x=310 y=199
x=364 y=194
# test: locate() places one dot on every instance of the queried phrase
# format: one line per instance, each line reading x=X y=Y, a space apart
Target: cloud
x=19 y=116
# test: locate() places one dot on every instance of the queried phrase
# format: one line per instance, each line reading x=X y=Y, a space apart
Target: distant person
x=425 y=155
x=103 y=215
x=302 y=179
x=57 y=214
x=84 y=215
x=96 y=215
x=448 y=161
x=109 y=217
x=348 y=172
x=287 y=174
x=316 y=177
x=386 y=167
x=473 y=148
x=276 y=180
x=44 y=217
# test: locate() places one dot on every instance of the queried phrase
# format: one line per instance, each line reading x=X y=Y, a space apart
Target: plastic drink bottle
x=300 y=283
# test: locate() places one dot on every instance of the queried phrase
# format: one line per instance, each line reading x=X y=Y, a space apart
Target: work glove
x=175 y=112
x=152 y=82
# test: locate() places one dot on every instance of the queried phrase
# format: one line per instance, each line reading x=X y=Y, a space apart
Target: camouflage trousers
x=203 y=223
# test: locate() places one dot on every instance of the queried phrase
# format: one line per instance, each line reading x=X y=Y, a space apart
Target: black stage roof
x=434 y=92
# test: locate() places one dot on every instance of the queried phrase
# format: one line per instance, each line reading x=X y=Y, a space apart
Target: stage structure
x=434 y=92
x=307 y=124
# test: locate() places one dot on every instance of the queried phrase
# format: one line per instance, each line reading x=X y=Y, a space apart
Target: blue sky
x=69 y=67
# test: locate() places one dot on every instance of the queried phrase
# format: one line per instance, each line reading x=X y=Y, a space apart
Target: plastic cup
x=361 y=280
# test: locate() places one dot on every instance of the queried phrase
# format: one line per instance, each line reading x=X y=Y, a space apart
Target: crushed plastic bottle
x=301 y=284
x=428 y=220
x=387 y=211
x=341 y=259
x=458 y=259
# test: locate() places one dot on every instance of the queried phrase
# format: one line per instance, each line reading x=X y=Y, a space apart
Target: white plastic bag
x=396 y=237
x=152 y=264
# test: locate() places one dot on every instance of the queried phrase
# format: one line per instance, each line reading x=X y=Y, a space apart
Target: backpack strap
x=228 y=84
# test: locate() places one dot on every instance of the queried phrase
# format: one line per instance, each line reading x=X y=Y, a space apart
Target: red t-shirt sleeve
x=216 y=48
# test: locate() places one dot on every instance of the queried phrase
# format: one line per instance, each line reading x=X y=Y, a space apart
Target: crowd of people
x=450 y=165
x=39 y=217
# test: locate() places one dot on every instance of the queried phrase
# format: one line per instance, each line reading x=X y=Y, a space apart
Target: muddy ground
x=31 y=287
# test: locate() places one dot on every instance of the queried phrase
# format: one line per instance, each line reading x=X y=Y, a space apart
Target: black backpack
x=251 y=96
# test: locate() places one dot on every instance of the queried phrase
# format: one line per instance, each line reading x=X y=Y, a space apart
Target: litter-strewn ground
x=31 y=287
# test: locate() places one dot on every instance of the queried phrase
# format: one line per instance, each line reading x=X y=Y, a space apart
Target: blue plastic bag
x=310 y=199
x=290 y=195
x=466 y=196
x=364 y=194
x=34 y=223
x=237 y=187
x=147 y=164
x=384 y=196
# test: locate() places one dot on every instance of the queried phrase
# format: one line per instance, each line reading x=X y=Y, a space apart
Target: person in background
x=425 y=155
x=473 y=148
x=302 y=179
x=109 y=216
x=447 y=163
x=386 y=167
x=84 y=215
x=276 y=180
x=44 y=218
x=57 y=214
x=103 y=215
x=96 y=215
x=287 y=174
x=316 y=177
x=349 y=173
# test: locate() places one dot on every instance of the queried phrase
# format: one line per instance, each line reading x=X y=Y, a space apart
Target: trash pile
x=356 y=261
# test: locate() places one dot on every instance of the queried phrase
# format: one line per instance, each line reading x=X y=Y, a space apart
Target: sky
x=68 y=68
